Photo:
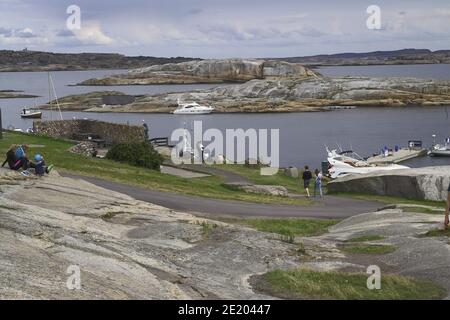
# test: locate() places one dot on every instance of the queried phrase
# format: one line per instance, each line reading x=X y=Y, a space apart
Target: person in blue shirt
x=39 y=165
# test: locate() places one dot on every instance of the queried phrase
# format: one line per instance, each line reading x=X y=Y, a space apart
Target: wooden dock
x=397 y=156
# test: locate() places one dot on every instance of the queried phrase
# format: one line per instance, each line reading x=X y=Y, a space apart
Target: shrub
x=140 y=154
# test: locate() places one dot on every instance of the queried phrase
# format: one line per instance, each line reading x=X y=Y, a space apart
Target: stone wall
x=429 y=183
x=112 y=133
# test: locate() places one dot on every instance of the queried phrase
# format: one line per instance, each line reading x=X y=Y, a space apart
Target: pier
x=397 y=156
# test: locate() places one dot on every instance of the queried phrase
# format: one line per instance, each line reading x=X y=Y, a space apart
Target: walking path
x=330 y=207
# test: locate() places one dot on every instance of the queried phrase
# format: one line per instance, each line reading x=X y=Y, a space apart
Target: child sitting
x=39 y=165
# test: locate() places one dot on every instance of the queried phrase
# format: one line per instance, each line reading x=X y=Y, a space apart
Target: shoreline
x=308 y=65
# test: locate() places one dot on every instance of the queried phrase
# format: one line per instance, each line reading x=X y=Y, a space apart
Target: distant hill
x=26 y=60
x=404 y=56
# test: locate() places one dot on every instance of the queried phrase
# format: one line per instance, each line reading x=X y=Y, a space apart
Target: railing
x=160 y=142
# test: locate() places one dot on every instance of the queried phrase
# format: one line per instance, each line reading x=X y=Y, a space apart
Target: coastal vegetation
x=140 y=154
x=310 y=284
x=368 y=249
x=56 y=151
x=290 y=227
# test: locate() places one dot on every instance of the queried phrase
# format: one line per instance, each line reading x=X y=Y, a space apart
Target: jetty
x=397 y=156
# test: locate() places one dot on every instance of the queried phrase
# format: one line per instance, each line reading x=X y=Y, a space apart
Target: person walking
x=446 y=221
x=318 y=183
x=307 y=176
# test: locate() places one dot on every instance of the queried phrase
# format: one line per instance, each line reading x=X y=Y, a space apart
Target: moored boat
x=31 y=113
x=192 y=108
x=438 y=150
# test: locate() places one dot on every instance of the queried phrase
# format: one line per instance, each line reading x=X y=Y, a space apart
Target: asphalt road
x=330 y=207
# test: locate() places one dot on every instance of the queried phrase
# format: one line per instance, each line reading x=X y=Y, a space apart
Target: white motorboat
x=192 y=108
x=342 y=164
x=439 y=150
x=31 y=113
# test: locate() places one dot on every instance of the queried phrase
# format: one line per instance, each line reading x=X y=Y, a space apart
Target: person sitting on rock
x=16 y=157
x=446 y=220
x=39 y=166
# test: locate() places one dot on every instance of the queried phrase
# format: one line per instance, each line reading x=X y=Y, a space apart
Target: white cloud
x=92 y=34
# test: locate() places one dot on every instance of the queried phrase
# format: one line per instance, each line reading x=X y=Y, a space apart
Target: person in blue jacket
x=39 y=165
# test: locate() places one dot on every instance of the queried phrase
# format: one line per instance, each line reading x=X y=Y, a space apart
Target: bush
x=139 y=154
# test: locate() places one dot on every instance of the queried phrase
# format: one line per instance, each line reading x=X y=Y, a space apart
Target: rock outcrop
x=124 y=248
x=294 y=95
x=429 y=183
x=205 y=71
x=415 y=255
x=262 y=189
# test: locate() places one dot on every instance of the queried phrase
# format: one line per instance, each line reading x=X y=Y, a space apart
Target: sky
x=223 y=29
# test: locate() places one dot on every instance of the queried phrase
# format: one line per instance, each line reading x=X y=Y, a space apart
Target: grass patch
x=422 y=210
x=365 y=238
x=252 y=173
x=391 y=200
x=55 y=151
x=438 y=233
x=291 y=227
x=309 y=284
x=368 y=249
x=207 y=228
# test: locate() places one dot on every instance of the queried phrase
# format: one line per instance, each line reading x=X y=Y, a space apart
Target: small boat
x=440 y=150
x=344 y=163
x=192 y=108
x=31 y=113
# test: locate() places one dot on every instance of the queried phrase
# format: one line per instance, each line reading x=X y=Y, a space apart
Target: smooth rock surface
x=125 y=249
x=415 y=256
x=429 y=183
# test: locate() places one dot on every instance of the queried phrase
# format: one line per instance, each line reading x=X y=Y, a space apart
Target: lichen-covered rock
x=429 y=183
x=206 y=71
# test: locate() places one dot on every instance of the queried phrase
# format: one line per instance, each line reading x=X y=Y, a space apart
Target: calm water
x=302 y=135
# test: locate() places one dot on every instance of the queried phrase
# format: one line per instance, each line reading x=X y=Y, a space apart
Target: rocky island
x=205 y=71
x=270 y=87
x=11 y=94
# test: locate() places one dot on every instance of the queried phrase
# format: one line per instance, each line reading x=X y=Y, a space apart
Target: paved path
x=182 y=172
x=330 y=207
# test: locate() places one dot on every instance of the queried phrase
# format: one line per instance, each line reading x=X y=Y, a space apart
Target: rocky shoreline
x=283 y=95
x=14 y=94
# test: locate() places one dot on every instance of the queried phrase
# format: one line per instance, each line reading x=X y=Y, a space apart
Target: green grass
x=365 y=238
x=390 y=200
x=368 y=249
x=308 y=284
x=291 y=227
x=422 y=210
x=207 y=228
x=55 y=151
x=438 y=233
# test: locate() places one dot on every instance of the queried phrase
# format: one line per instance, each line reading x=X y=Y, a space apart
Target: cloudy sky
x=225 y=28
